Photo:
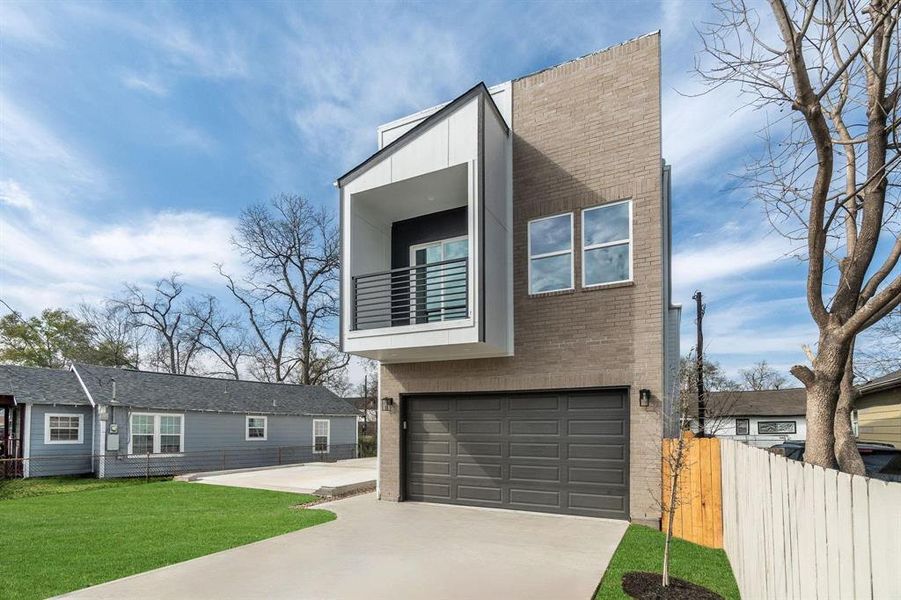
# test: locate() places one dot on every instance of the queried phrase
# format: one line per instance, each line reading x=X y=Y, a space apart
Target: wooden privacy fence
x=792 y=530
x=699 y=504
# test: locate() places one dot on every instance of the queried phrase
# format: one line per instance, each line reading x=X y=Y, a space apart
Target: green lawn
x=641 y=549
x=61 y=542
x=43 y=486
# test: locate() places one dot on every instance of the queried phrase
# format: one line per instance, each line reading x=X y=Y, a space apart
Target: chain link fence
x=152 y=465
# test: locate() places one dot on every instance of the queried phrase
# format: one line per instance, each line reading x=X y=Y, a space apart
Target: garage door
x=561 y=452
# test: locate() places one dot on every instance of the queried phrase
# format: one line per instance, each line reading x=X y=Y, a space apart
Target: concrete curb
x=341 y=490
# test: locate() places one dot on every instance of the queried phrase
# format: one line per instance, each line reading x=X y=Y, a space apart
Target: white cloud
x=45 y=264
x=147 y=83
x=39 y=157
x=11 y=193
x=705 y=262
x=19 y=24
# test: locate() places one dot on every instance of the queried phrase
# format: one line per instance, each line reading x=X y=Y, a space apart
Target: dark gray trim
x=478 y=89
x=480 y=286
x=341 y=268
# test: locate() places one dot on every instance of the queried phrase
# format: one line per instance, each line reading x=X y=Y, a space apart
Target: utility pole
x=699 y=353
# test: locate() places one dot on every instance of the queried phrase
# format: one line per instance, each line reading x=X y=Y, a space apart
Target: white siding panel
x=426 y=153
x=463 y=138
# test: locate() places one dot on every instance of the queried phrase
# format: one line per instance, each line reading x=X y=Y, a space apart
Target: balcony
x=426 y=239
x=428 y=293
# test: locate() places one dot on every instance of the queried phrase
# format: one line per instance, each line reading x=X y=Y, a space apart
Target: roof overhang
x=480 y=89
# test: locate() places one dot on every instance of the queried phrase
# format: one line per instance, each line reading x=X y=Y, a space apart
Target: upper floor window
x=63 y=429
x=156 y=434
x=607 y=244
x=551 y=254
x=255 y=428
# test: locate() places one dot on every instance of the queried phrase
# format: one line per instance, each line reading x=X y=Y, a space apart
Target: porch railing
x=429 y=293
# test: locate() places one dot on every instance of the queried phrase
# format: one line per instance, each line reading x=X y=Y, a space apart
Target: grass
x=641 y=549
x=11 y=489
x=60 y=542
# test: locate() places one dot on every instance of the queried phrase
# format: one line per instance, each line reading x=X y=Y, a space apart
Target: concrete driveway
x=382 y=550
x=301 y=479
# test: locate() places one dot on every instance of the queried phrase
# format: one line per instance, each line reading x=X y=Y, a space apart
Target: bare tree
x=675 y=452
x=162 y=315
x=762 y=377
x=829 y=176
x=878 y=350
x=720 y=396
x=290 y=295
x=220 y=335
x=368 y=394
x=117 y=341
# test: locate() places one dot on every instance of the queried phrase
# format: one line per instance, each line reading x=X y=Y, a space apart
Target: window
x=551 y=254
x=63 y=429
x=320 y=435
x=607 y=244
x=742 y=427
x=256 y=429
x=778 y=427
x=439 y=292
x=156 y=434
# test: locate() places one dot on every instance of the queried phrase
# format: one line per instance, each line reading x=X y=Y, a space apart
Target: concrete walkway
x=383 y=550
x=300 y=479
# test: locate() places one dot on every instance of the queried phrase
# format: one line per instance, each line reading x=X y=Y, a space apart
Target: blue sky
x=131 y=135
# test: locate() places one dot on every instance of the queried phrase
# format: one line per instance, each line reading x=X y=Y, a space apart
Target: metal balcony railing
x=437 y=291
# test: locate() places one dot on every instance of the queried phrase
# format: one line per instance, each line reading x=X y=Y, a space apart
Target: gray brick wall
x=585 y=133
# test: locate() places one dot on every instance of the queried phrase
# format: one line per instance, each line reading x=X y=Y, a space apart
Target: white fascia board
x=83 y=386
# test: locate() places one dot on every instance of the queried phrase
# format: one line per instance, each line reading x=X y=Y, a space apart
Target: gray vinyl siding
x=60 y=459
x=214 y=441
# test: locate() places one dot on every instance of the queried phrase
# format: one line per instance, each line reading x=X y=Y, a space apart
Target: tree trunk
x=823 y=386
x=846 y=453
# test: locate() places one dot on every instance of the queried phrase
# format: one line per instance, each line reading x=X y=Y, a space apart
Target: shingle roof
x=41 y=386
x=764 y=403
x=881 y=383
x=164 y=391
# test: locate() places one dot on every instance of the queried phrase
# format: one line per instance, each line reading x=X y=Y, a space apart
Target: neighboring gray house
x=121 y=422
x=761 y=418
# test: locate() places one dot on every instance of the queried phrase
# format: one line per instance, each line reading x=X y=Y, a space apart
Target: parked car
x=882 y=461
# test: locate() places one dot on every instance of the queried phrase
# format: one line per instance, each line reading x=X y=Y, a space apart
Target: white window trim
x=440 y=242
x=47 y=439
x=585 y=248
x=571 y=252
x=247 y=437
x=328 y=435
x=413 y=264
x=156 y=433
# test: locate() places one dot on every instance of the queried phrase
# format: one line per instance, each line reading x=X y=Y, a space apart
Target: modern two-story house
x=505 y=256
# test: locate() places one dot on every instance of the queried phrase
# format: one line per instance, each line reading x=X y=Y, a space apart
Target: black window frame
x=747 y=424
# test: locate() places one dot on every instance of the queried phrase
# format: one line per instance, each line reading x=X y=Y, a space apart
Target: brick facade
x=585 y=133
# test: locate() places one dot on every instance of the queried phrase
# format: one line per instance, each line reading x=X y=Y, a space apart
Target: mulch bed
x=646 y=586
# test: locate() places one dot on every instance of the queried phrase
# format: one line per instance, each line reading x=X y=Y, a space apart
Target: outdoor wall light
x=644 y=397
x=387 y=403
